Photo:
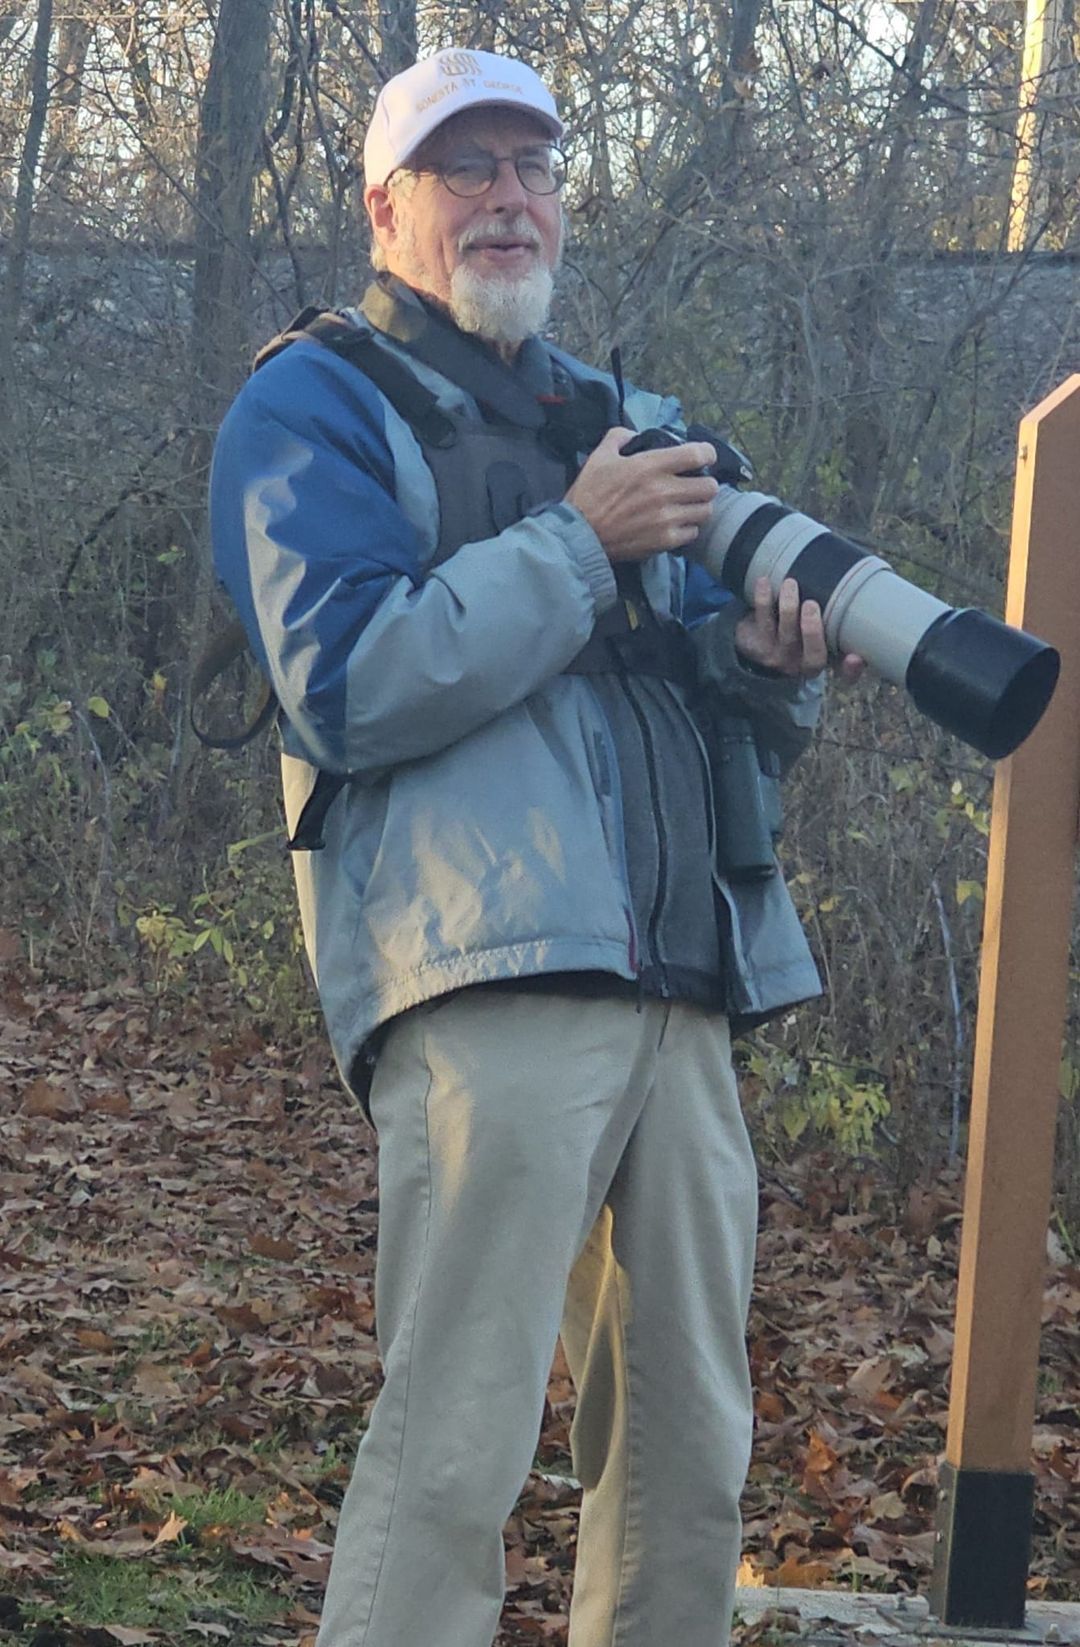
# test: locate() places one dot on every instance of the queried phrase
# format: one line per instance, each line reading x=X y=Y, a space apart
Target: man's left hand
x=788 y=634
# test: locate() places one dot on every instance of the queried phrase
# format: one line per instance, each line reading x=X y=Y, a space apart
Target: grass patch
x=97 y=1590
x=217 y=1507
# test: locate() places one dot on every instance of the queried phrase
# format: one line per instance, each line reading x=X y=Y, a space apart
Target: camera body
x=731 y=468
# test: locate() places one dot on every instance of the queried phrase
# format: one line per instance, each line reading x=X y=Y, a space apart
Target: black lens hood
x=982 y=680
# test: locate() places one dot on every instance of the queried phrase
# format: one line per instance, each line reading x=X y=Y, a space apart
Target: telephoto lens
x=977 y=677
x=983 y=680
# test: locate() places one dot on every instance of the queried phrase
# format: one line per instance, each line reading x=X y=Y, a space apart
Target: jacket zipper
x=660 y=892
x=606 y=765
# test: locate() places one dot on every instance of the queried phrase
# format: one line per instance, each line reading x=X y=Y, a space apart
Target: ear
x=379 y=205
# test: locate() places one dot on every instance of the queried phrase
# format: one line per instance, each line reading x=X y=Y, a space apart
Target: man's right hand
x=640 y=505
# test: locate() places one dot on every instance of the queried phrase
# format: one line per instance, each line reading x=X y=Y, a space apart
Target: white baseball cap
x=413 y=103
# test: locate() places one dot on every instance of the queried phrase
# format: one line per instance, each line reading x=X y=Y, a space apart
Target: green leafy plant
x=793 y=1098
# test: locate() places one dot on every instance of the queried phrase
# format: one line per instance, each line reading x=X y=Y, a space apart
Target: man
x=497 y=740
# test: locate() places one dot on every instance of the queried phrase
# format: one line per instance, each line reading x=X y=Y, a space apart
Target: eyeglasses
x=540 y=170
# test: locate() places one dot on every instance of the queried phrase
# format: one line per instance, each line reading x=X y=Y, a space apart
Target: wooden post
x=986 y=1491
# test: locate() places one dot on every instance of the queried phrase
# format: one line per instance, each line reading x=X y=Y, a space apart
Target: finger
x=814 y=651
x=764 y=611
x=685 y=520
x=788 y=622
x=679 y=460
x=699 y=512
x=699 y=489
x=677 y=533
x=851 y=667
x=616 y=439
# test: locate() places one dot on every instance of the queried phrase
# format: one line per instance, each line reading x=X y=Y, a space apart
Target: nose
x=507 y=193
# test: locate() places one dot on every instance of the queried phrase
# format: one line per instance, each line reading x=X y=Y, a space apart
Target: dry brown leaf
x=886 y=1507
x=803 y=1575
x=870 y=1377
x=151 y=1380
x=110 y=1103
x=90 y=1339
x=820 y=1457
x=170 y=1530
x=49 y=1102
x=13 y=1483
x=265 y=1246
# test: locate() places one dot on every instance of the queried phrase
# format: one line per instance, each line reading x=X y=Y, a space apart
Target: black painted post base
x=983 y=1548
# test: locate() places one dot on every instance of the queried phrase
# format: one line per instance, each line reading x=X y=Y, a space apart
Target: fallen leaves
x=851 y=1339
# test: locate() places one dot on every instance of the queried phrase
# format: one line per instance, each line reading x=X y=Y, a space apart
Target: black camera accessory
x=745 y=797
x=731 y=468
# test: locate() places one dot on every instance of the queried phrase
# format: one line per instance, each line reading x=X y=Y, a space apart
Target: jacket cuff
x=587 y=552
x=722 y=664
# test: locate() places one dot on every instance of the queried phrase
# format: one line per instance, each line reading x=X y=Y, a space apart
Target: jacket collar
x=510 y=392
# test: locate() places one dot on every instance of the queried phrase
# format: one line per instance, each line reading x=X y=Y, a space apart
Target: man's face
x=488 y=258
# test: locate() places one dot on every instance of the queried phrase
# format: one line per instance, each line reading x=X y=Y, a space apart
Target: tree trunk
x=743 y=64
x=232 y=118
x=233 y=114
x=1043 y=26
x=11 y=294
x=866 y=435
x=74 y=43
x=130 y=39
x=397 y=35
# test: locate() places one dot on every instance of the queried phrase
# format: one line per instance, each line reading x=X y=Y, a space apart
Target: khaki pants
x=545 y=1160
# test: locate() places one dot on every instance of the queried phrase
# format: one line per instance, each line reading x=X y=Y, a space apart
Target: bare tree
x=11 y=293
x=232 y=118
x=1044 y=28
x=72 y=46
x=397 y=32
x=233 y=115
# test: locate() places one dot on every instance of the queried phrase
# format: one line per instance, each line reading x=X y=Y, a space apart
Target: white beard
x=497 y=309
x=492 y=307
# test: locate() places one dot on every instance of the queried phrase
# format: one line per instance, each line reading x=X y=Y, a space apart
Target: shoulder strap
x=435 y=341
x=417 y=405
x=222 y=651
x=297 y=328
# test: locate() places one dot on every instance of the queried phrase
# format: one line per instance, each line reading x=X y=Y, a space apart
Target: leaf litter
x=187 y=1352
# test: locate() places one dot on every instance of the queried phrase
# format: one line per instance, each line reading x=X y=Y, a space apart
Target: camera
x=979 y=678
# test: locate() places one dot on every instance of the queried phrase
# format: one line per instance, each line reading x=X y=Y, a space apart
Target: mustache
x=498 y=229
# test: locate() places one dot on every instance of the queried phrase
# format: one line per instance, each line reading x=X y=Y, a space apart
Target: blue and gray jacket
x=508 y=813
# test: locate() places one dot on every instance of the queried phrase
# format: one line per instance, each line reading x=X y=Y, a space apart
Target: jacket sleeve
x=782 y=709
x=372 y=662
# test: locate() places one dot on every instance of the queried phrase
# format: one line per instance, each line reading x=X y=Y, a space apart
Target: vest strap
x=407 y=395
x=308 y=834
x=661 y=650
